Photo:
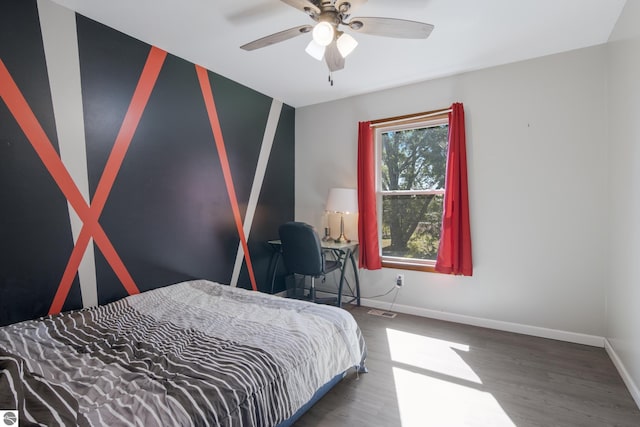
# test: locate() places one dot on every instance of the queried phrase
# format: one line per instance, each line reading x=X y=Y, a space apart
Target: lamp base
x=342 y=238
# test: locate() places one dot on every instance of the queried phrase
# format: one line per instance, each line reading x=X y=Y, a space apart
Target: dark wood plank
x=425 y=372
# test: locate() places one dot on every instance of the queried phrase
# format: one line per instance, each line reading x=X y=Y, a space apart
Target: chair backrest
x=301 y=249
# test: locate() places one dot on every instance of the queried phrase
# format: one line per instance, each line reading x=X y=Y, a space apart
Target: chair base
x=296 y=289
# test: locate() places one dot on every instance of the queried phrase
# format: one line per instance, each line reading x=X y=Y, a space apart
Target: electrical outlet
x=400 y=280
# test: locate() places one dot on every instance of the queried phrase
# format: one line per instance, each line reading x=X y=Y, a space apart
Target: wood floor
x=425 y=372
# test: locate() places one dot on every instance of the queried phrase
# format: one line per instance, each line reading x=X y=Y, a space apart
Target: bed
x=195 y=353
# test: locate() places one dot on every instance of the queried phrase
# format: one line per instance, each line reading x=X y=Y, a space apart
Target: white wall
x=623 y=296
x=538 y=189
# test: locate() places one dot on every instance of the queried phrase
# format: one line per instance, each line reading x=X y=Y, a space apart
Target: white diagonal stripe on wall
x=60 y=40
x=258 y=178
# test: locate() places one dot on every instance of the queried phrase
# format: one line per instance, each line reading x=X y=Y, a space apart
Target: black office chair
x=303 y=255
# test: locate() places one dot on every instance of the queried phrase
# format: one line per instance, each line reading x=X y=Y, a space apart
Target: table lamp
x=342 y=201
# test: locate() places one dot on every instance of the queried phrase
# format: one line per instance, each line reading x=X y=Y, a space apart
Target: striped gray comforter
x=191 y=354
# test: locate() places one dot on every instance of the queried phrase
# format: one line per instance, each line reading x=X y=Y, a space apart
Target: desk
x=342 y=251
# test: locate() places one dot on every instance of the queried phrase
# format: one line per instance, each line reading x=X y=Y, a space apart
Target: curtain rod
x=407 y=118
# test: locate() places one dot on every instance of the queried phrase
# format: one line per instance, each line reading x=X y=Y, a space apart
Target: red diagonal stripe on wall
x=209 y=102
x=27 y=121
x=141 y=95
x=32 y=129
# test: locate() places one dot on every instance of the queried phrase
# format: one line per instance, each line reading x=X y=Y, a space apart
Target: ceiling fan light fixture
x=315 y=50
x=346 y=44
x=323 y=33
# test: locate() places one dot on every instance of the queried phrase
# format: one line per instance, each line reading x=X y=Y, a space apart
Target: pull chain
x=331 y=78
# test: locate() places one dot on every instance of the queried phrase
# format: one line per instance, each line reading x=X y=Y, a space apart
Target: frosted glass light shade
x=342 y=200
x=323 y=33
x=346 y=44
x=315 y=50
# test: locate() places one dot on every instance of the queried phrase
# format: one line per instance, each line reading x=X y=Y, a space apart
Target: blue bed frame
x=317 y=396
x=362 y=369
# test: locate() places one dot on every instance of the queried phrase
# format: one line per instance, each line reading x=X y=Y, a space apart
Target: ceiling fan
x=329 y=41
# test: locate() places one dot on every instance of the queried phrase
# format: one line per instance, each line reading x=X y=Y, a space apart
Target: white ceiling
x=468 y=35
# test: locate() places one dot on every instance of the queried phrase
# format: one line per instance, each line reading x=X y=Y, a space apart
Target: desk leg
x=357 y=276
x=342 y=271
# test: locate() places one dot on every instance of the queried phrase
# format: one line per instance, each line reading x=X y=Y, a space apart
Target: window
x=412 y=159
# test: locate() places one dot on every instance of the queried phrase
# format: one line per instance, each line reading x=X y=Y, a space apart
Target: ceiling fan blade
x=351 y=5
x=303 y=5
x=391 y=27
x=333 y=58
x=277 y=37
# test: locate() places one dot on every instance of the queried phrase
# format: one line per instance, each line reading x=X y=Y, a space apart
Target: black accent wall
x=168 y=214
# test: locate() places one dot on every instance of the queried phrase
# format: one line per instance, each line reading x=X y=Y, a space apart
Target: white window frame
x=390 y=261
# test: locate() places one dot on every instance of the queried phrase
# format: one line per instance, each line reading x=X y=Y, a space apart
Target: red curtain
x=367 y=210
x=454 y=252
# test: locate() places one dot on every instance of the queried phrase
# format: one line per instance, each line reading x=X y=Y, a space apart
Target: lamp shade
x=342 y=200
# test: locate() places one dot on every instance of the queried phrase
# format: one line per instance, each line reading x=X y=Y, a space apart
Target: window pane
x=414 y=159
x=411 y=225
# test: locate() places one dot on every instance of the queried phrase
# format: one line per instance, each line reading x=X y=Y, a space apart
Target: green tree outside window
x=412 y=175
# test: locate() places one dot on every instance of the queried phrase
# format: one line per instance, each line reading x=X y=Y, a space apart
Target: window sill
x=409 y=266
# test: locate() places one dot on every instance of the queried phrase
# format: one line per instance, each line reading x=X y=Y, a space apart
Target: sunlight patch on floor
x=436 y=387
x=426 y=401
x=430 y=353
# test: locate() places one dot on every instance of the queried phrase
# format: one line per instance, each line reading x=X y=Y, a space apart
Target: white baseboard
x=628 y=380
x=519 y=328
